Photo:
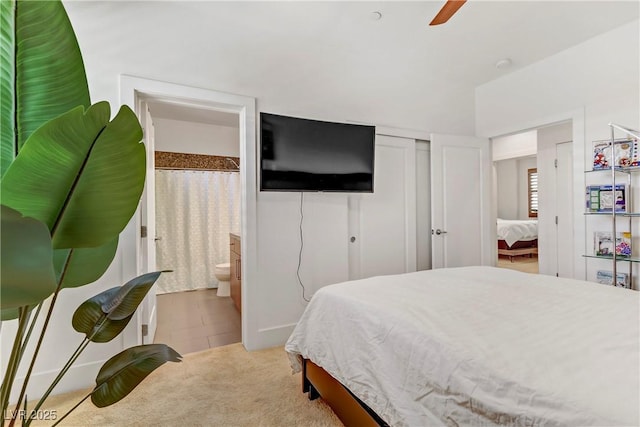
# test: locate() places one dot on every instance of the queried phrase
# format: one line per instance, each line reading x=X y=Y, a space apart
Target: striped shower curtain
x=195 y=211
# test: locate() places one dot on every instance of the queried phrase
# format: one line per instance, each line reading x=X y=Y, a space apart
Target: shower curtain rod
x=197 y=169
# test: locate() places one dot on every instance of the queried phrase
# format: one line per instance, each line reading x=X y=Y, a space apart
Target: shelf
x=627 y=214
x=630 y=169
x=610 y=258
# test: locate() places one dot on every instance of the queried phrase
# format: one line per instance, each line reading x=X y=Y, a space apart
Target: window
x=532 y=180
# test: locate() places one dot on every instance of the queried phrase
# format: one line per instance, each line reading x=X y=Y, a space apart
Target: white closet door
x=383 y=224
x=423 y=205
x=463 y=225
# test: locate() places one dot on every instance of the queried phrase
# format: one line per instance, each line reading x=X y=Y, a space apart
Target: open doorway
x=534 y=193
x=517 y=221
x=197 y=200
x=139 y=249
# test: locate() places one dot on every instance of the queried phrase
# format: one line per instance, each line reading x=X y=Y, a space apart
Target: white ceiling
x=294 y=57
x=165 y=110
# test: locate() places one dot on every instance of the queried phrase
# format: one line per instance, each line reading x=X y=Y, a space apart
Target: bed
x=472 y=346
x=517 y=237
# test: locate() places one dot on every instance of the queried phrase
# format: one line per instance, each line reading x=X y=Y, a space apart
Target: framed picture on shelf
x=602 y=198
x=606 y=278
x=624 y=154
x=604 y=244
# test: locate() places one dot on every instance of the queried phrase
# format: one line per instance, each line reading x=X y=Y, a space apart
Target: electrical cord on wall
x=301 y=247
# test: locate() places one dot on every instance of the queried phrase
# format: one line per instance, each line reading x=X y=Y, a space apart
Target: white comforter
x=479 y=346
x=513 y=230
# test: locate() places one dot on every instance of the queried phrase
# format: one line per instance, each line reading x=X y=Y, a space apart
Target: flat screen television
x=311 y=155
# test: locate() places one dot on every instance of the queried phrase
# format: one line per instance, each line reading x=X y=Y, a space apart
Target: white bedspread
x=513 y=230
x=478 y=346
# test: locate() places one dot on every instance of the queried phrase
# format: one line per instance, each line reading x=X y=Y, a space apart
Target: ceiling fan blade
x=447 y=11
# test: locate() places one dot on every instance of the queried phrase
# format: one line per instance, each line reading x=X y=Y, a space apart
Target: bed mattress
x=478 y=346
x=513 y=230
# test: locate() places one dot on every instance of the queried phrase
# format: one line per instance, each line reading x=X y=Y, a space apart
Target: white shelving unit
x=619 y=174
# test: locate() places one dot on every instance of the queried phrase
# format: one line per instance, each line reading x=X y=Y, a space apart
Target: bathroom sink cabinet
x=235 y=270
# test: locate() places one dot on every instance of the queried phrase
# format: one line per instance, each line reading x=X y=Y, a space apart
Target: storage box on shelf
x=611 y=197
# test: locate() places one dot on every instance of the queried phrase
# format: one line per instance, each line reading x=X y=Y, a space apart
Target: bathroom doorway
x=197 y=200
x=138 y=248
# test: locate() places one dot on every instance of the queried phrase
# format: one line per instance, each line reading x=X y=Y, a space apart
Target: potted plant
x=71 y=179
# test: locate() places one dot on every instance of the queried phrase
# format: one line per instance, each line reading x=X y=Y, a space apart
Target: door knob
x=352 y=239
x=439 y=232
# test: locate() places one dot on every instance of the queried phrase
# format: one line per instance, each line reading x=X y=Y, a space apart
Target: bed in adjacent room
x=472 y=346
x=517 y=237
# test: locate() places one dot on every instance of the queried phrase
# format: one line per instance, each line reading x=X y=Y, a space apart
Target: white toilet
x=223 y=275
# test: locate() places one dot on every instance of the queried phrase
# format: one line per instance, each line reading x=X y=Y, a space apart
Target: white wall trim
x=134 y=88
x=275 y=335
x=403 y=133
x=74 y=379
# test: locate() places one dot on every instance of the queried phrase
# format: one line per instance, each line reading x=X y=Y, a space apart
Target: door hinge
x=143 y=231
x=145 y=330
x=557 y=275
x=555 y=163
x=556 y=219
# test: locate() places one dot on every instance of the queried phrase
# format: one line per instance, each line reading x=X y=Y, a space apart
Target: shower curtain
x=195 y=211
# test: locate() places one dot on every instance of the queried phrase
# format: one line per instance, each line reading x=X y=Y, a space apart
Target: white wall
x=196 y=138
x=512 y=146
x=512 y=192
x=507 y=188
x=592 y=83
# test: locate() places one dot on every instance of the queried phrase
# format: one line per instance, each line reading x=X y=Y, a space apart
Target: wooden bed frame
x=351 y=410
x=520 y=247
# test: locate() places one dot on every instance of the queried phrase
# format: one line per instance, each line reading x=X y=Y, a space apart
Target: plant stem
x=44 y=329
x=14 y=360
x=71 y=410
x=33 y=324
x=64 y=370
x=85 y=342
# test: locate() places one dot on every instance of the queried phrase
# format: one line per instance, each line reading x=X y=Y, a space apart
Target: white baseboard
x=78 y=377
x=273 y=336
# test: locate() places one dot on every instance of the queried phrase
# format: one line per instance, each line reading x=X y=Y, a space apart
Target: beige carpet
x=520 y=263
x=224 y=386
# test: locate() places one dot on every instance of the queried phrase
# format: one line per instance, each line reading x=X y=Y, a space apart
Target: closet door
x=463 y=225
x=423 y=205
x=383 y=224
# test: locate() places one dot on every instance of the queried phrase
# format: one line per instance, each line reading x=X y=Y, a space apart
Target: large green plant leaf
x=102 y=317
x=81 y=175
x=129 y=297
x=26 y=272
x=84 y=265
x=90 y=320
x=9 y=313
x=124 y=371
x=7 y=124
x=42 y=70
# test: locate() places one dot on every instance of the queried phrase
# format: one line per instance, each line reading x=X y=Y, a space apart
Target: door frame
x=577 y=118
x=136 y=89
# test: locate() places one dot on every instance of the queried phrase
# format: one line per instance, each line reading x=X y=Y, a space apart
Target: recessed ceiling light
x=503 y=63
x=375 y=16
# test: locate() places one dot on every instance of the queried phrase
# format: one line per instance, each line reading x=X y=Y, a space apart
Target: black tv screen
x=310 y=155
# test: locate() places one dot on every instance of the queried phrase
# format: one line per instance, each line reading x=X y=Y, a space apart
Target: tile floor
x=197 y=320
